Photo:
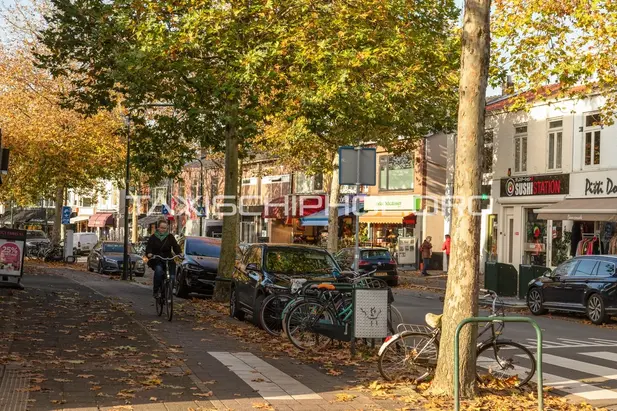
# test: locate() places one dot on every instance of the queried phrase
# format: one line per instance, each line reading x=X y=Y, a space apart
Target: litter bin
x=501 y=278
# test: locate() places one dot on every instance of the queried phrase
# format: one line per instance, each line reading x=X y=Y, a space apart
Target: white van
x=83 y=243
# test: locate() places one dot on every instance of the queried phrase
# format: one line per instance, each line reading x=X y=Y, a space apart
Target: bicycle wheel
x=169 y=300
x=412 y=356
x=300 y=322
x=270 y=315
x=506 y=360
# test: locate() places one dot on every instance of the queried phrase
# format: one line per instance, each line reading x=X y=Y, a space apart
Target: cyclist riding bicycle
x=161 y=243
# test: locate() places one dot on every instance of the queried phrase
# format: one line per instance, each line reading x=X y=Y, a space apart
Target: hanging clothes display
x=612 y=245
x=590 y=246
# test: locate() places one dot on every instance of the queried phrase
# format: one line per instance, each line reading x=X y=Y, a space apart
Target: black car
x=371 y=258
x=108 y=257
x=272 y=265
x=199 y=268
x=586 y=284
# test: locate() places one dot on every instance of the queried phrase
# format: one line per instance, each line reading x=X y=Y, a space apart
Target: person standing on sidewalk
x=161 y=243
x=446 y=248
x=426 y=254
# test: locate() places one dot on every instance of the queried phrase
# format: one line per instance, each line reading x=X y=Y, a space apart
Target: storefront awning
x=79 y=218
x=384 y=217
x=101 y=220
x=581 y=209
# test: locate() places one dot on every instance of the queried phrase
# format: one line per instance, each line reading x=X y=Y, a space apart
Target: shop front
x=392 y=220
x=284 y=218
x=521 y=236
x=585 y=221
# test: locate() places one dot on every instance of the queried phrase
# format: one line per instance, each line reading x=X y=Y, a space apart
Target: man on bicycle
x=161 y=243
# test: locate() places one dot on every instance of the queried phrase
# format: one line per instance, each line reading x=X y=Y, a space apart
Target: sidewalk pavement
x=76 y=340
x=436 y=283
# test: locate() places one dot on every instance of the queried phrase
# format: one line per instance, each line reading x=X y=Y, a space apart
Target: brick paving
x=189 y=349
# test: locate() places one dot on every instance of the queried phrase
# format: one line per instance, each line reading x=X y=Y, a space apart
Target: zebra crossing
x=585 y=370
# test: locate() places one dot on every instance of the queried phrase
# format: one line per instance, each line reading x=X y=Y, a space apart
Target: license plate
x=381 y=274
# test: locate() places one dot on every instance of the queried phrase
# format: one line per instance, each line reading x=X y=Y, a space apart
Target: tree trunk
x=230 y=220
x=57 y=232
x=461 y=300
x=335 y=190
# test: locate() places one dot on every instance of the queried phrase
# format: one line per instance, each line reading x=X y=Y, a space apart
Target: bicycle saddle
x=323 y=286
x=433 y=320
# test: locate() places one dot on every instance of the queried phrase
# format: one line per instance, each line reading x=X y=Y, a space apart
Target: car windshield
x=375 y=255
x=36 y=234
x=202 y=248
x=115 y=248
x=297 y=262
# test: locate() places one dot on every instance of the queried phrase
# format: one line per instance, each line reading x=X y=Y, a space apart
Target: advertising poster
x=12 y=246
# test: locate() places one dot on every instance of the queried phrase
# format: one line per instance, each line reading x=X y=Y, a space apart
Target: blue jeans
x=159 y=274
x=425 y=264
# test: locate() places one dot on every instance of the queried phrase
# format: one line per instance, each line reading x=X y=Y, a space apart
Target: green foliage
x=567 y=42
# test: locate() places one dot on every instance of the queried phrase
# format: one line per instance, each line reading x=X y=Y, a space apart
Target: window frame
x=596 y=131
x=556 y=156
x=522 y=137
x=388 y=157
x=486 y=171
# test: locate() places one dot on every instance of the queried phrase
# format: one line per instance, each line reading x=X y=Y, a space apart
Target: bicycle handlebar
x=165 y=258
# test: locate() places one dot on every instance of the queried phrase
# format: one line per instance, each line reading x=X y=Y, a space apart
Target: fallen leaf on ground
x=200 y=394
x=85 y=376
x=153 y=399
x=262 y=406
x=334 y=372
x=345 y=397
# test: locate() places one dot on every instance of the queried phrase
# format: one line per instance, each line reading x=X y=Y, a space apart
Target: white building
x=98 y=212
x=554 y=174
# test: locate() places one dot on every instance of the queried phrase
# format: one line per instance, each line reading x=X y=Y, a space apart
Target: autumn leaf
x=262 y=406
x=334 y=372
x=345 y=397
x=86 y=376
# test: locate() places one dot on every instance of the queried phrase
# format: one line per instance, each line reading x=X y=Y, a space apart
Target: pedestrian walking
x=426 y=250
x=446 y=248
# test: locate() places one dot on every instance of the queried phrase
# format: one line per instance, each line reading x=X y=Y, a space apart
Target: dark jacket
x=426 y=249
x=163 y=248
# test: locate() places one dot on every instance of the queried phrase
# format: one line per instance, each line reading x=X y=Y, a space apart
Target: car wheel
x=89 y=266
x=234 y=308
x=595 y=309
x=535 y=302
x=99 y=268
x=182 y=290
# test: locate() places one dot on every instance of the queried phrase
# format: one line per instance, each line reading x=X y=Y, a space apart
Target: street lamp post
x=201 y=197
x=125 y=265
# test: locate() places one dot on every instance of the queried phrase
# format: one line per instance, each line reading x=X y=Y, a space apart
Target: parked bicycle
x=412 y=353
x=166 y=300
x=312 y=319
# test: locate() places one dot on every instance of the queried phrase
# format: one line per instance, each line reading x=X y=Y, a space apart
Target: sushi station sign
x=535 y=185
x=12 y=250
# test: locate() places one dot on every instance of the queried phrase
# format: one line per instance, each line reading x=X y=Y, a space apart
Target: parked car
x=199 y=268
x=108 y=257
x=585 y=284
x=261 y=265
x=83 y=243
x=374 y=258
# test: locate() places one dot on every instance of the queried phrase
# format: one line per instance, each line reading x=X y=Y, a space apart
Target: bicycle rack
x=491 y=320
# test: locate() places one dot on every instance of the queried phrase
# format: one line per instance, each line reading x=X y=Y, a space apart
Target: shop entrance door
x=509 y=231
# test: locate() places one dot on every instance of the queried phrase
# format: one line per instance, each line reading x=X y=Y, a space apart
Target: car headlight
x=110 y=261
x=139 y=263
x=193 y=267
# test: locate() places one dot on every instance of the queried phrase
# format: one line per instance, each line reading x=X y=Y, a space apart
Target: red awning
x=410 y=219
x=294 y=206
x=101 y=220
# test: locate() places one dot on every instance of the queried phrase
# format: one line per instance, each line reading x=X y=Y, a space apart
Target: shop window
x=396 y=172
x=561 y=244
x=535 y=239
x=555 y=142
x=520 y=149
x=592 y=139
x=305 y=183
